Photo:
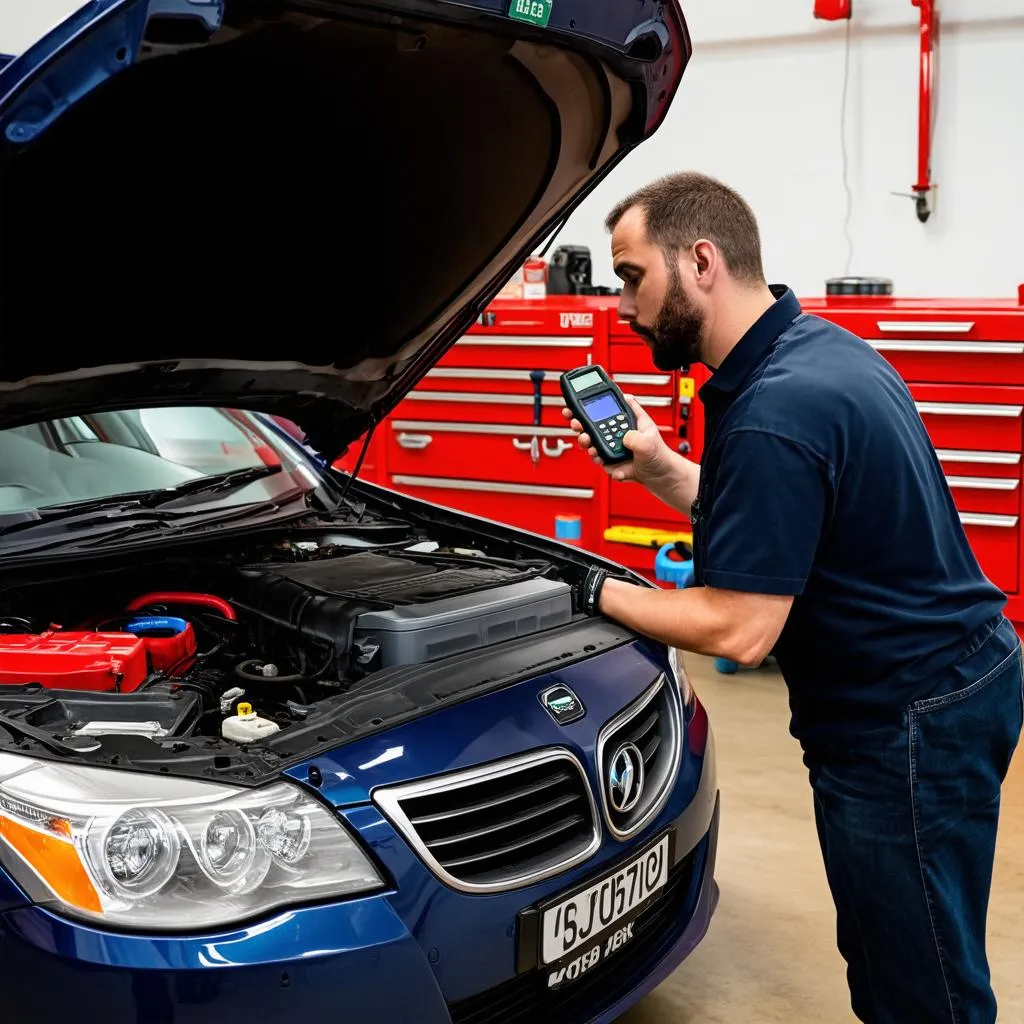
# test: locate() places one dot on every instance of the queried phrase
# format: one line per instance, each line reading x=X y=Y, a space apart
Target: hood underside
x=290 y=206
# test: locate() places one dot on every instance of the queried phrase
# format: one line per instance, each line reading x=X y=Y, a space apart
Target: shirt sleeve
x=771 y=498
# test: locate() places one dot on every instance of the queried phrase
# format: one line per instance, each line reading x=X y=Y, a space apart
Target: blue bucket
x=670 y=568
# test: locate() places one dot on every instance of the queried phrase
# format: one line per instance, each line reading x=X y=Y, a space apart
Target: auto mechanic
x=825 y=534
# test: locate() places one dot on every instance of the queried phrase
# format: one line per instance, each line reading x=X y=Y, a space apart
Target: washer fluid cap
x=858 y=286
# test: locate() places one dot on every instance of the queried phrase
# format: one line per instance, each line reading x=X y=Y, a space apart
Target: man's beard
x=674 y=337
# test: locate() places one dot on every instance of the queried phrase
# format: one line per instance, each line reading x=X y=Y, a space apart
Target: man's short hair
x=682 y=208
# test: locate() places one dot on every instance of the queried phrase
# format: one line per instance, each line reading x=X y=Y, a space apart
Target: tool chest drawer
x=995 y=540
x=635 y=358
x=529 y=335
x=492 y=407
x=488 y=451
x=973 y=493
x=529 y=507
x=944 y=361
x=650 y=383
x=496 y=381
x=953 y=343
x=963 y=323
x=619 y=329
x=525 y=352
x=971 y=417
x=632 y=501
x=983 y=481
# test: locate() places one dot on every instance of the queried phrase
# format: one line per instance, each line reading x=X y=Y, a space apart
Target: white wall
x=22 y=22
x=760 y=106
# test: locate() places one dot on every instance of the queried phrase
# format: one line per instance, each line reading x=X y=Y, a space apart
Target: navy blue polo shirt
x=819 y=480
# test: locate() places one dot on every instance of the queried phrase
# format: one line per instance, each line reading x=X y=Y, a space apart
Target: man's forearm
x=718 y=623
x=678 y=487
x=679 y=618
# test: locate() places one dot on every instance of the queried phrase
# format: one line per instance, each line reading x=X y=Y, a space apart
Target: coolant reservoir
x=246 y=726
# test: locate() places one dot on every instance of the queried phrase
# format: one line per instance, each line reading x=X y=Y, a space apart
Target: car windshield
x=83 y=458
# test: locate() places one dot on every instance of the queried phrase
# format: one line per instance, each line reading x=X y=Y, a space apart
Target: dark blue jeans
x=907 y=825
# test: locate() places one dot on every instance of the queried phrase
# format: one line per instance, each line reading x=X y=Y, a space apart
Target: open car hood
x=296 y=206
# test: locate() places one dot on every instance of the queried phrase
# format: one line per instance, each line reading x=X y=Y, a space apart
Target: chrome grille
x=498 y=826
x=653 y=724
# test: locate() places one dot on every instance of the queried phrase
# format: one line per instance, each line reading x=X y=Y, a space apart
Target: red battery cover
x=99 y=662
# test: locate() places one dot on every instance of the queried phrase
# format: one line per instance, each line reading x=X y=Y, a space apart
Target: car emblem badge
x=626 y=778
x=562 y=704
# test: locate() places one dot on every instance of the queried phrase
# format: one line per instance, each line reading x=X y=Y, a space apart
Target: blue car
x=277 y=744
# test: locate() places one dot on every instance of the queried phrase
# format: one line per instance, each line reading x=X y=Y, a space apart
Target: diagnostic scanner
x=596 y=401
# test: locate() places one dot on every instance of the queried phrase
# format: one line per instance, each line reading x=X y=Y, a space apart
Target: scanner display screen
x=603 y=407
x=585 y=380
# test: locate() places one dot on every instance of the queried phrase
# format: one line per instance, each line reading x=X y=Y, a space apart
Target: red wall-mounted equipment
x=923 y=186
x=832 y=10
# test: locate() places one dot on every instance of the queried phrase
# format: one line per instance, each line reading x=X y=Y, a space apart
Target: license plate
x=597 y=921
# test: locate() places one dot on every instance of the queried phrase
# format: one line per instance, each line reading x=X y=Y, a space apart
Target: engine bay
x=196 y=655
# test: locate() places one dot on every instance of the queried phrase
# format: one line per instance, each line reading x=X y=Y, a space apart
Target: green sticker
x=536 y=12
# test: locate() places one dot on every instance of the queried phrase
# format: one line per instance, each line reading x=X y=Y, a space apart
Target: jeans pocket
x=930 y=704
x=962 y=742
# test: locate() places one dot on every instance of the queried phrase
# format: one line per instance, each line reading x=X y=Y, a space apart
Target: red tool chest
x=963 y=361
x=483 y=431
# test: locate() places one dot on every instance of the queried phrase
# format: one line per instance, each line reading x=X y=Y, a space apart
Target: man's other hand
x=652 y=462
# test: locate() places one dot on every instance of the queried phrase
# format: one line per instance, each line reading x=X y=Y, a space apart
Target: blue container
x=569 y=529
x=670 y=568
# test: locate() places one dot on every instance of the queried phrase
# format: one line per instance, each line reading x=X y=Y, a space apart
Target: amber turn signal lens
x=55 y=860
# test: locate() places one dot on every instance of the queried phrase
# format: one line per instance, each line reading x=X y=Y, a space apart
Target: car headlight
x=686 y=691
x=164 y=854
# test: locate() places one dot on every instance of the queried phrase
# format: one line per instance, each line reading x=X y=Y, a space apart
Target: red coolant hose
x=183 y=597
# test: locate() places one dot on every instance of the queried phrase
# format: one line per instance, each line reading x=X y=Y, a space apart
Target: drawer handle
x=457 y=427
x=969 y=409
x=555 y=453
x=491 y=398
x=983 y=483
x=455 y=484
x=414 y=442
x=973 y=348
x=990 y=519
x=532 y=446
x=653 y=379
x=920 y=326
x=986 y=458
x=480 y=397
x=454 y=373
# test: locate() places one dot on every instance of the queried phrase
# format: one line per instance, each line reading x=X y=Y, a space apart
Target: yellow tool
x=645 y=536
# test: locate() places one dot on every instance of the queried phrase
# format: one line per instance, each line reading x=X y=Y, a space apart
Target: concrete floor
x=770 y=954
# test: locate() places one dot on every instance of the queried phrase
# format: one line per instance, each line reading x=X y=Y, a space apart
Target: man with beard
x=825 y=533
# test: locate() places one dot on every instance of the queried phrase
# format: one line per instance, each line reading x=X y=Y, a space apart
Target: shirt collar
x=747 y=352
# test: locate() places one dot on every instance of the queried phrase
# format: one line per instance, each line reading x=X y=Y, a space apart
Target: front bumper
x=357 y=960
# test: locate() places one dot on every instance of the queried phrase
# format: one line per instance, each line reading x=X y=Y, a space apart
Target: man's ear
x=706 y=260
